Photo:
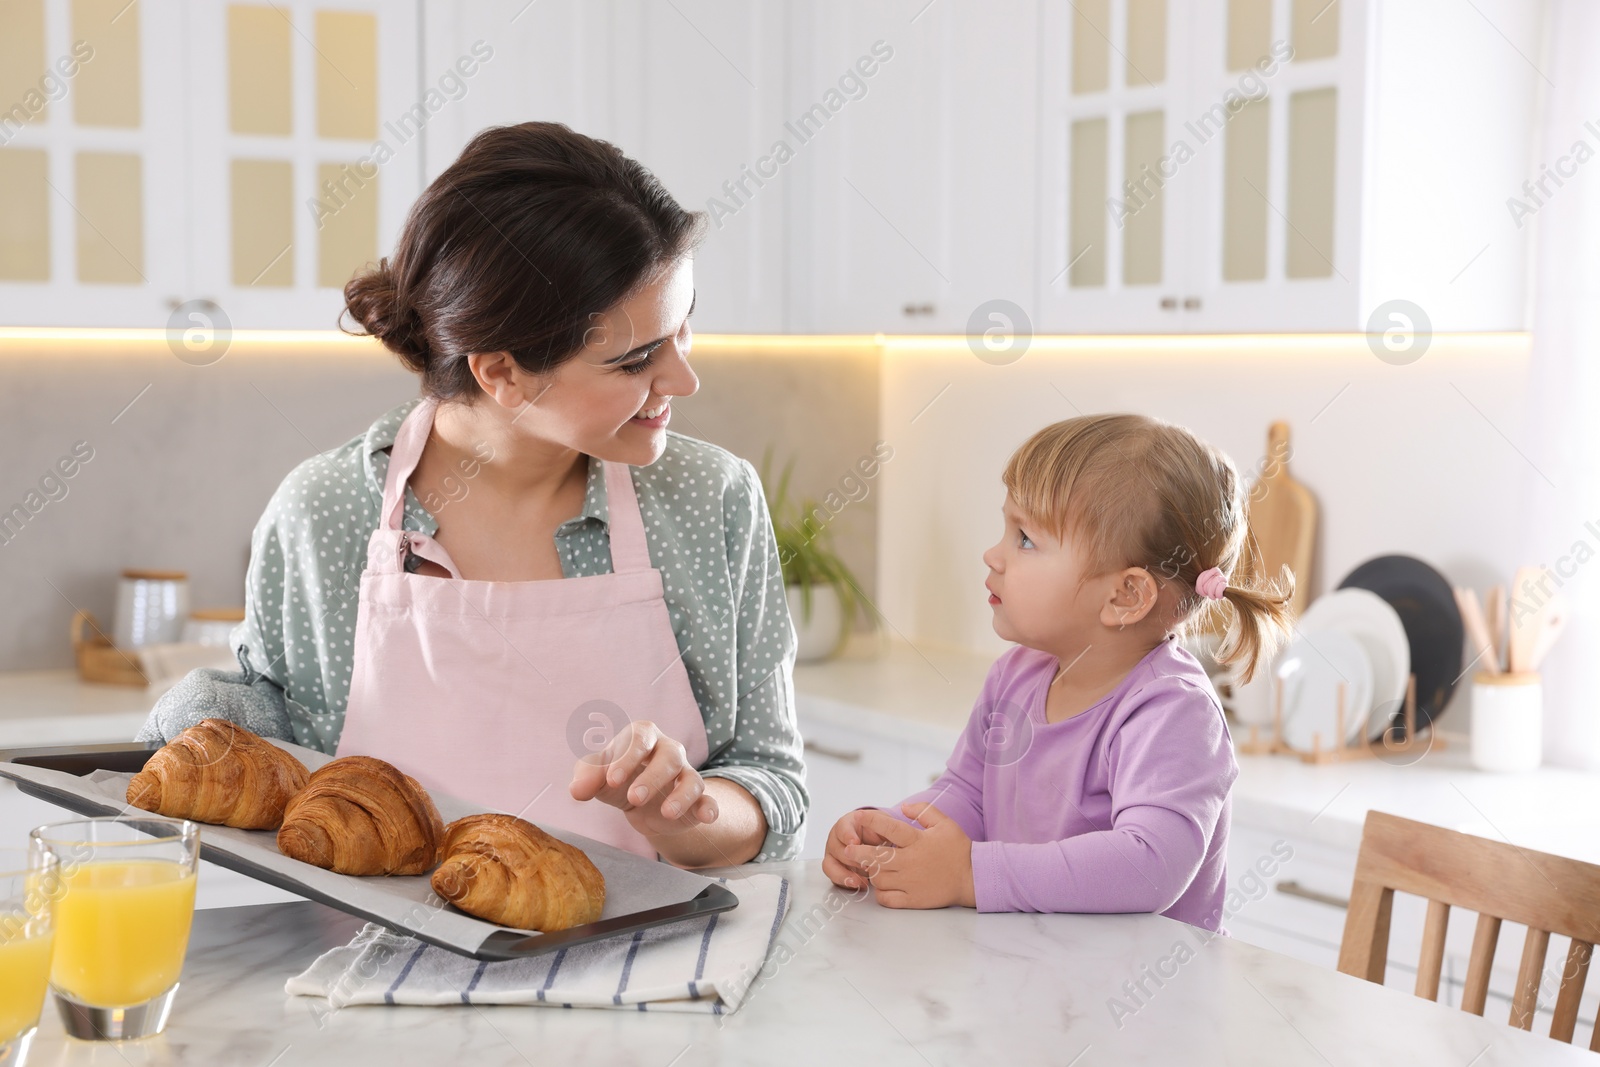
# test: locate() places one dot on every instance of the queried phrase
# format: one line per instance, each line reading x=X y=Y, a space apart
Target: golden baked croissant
x=218 y=772
x=360 y=815
x=508 y=871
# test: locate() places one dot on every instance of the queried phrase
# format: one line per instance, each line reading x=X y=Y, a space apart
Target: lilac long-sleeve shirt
x=1121 y=808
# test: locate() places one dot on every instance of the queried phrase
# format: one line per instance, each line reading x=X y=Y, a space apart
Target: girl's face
x=635 y=359
x=1038 y=588
x=1045 y=597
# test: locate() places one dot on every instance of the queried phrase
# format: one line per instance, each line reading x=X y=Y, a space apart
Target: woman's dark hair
x=531 y=232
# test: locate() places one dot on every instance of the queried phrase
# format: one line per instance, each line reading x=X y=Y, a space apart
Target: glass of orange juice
x=122 y=920
x=30 y=882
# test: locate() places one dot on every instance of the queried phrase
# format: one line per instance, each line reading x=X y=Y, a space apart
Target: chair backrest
x=1501 y=882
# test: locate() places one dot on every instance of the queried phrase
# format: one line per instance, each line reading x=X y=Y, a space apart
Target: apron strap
x=629 y=552
x=403 y=457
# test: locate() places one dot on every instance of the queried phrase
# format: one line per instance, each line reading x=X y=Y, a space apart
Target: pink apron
x=491 y=691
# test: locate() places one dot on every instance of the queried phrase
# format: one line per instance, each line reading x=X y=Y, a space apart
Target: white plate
x=1312 y=667
x=1368 y=618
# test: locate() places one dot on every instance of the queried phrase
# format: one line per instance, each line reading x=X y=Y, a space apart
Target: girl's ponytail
x=1260 y=618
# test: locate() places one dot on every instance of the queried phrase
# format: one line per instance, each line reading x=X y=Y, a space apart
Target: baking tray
x=337 y=891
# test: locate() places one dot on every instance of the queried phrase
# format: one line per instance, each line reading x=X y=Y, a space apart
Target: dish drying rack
x=1342 y=750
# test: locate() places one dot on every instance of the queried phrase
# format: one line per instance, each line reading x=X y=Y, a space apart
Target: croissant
x=219 y=772
x=508 y=871
x=360 y=815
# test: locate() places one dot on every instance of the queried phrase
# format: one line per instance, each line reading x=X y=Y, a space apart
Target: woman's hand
x=926 y=868
x=647 y=775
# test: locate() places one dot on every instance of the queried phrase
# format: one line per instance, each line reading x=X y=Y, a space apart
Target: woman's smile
x=654 y=417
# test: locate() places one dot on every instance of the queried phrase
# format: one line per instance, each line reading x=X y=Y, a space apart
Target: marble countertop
x=847 y=980
x=55 y=707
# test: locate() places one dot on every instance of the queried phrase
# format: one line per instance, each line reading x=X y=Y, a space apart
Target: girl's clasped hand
x=925 y=866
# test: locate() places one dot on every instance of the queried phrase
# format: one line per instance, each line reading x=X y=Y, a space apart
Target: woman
x=522 y=589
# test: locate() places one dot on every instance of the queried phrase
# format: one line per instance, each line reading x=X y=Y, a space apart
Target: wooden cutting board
x=1283 y=517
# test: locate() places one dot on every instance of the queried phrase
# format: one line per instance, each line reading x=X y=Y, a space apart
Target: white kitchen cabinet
x=917 y=195
x=846 y=155
x=247 y=158
x=1201 y=166
x=1283 y=165
x=694 y=89
x=1113 y=224
x=306 y=121
x=1115 y=166
x=93 y=227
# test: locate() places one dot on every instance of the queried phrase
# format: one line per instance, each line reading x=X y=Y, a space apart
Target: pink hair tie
x=1211 y=584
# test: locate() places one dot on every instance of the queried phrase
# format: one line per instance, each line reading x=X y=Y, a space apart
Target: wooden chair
x=1548 y=894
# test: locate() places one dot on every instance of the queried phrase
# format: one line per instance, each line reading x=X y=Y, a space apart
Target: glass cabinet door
x=1115 y=178
x=92 y=230
x=307 y=127
x=1275 y=244
x=249 y=155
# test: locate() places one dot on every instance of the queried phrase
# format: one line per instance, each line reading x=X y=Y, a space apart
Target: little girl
x=1094 y=773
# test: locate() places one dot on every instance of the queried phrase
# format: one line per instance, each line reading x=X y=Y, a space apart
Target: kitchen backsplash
x=120 y=455
x=123 y=456
x=1421 y=458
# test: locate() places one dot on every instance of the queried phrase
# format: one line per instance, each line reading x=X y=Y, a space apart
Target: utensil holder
x=1507 y=721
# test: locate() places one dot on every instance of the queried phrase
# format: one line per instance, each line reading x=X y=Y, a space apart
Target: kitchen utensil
x=151 y=608
x=1507 y=721
x=1527 y=600
x=1495 y=610
x=1283 y=517
x=1553 y=619
x=640 y=893
x=1483 y=653
x=1313 y=668
x=1427 y=608
x=1370 y=620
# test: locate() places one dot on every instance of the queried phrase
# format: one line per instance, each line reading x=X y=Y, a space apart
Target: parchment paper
x=633 y=883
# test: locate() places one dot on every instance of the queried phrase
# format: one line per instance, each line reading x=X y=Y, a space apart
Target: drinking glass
x=29 y=885
x=122 y=920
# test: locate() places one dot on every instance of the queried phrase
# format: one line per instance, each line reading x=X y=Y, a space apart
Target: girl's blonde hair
x=1134 y=491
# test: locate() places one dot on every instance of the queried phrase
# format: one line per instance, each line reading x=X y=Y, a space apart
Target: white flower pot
x=823 y=633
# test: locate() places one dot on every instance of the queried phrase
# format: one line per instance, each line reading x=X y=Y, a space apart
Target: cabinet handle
x=1295 y=889
x=1169 y=303
x=1191 y=303
x=918 y=309
x=841 y=754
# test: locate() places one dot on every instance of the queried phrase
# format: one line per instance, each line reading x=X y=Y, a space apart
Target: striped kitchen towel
x=701 y=965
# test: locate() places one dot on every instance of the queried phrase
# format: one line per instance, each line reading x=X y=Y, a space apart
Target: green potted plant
x=823 y=593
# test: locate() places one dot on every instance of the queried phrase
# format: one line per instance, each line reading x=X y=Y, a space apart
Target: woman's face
x=635 y=359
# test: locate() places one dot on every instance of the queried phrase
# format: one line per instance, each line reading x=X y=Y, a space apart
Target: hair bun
x=373 y=299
